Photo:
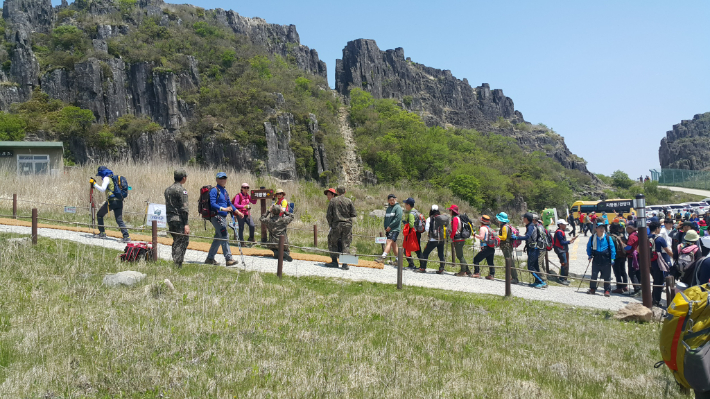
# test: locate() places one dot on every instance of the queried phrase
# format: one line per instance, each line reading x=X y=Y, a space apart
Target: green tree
x=74 y=121
x=12 y=127
x=126 y=6
x=621 y=180
x=467 y=188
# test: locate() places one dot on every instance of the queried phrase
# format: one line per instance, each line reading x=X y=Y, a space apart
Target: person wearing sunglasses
x=243 y=202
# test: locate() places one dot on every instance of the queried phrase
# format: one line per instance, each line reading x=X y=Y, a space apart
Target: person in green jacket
x=393 y=222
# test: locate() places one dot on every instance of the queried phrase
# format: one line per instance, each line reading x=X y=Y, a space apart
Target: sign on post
x=262 y=194
x=157 y=212
x=380 y=240
x=69 y=209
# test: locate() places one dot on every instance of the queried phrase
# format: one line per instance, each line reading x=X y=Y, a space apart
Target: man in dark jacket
x=435 y=225
x=176 y=210
x=572 y=224
x=533 y=244
x=393 y=223
x=340 y=214
x=222 y=206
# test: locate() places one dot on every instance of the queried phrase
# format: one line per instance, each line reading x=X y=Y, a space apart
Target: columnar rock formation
x=687 y=146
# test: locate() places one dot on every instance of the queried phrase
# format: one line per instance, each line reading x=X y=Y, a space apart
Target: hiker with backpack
x=489 y=240
x=176 y=212
x=631 y=249
x=412 y=229
x=393 y=222
x=688 y=254
x=340 y=214
x=546 y=243
x=277 y=221
x=458 y=236
x=533 y=243
x=619 y=265
x=116 y=189
x=280 y=200
x=242 y=203
x=507 y=243
x=220 y=207
x=572 y=224
x=661 y=254
x=601 y=252
x=435 y=227
x=561 y=247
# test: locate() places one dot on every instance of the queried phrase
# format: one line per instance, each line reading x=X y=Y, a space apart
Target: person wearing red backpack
x=561 y=247
x=242 y=203
x=412 y=237
x=487 y=252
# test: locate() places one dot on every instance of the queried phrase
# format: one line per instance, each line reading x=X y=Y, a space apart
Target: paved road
x=704 y=193
x=388 y=275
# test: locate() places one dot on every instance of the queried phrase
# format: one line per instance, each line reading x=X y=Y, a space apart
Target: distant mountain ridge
x=687 y=145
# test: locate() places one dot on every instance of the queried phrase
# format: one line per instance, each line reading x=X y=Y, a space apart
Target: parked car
x=698 y=207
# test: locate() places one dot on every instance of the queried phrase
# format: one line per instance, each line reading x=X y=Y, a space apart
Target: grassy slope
x=229 y=334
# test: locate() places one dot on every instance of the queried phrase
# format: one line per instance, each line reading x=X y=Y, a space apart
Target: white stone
x=128 y=278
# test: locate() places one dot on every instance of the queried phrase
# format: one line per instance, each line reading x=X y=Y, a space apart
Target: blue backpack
x=120 y=187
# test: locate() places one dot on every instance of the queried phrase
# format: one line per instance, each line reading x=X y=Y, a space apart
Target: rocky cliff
x=111 y=87
x=442 y=99
x=687 y=146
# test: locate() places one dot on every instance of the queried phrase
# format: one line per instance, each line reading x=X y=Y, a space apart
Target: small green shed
x=32 y=157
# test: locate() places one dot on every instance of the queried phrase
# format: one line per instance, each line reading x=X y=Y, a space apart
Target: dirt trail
x=197 y=246
x=351 y=163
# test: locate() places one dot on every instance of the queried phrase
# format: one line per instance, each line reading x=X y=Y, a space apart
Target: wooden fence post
x=34 y=226
x=315 y=236
x=280 y=266
x=14 y=206
x=154 y=228
x=400 y=265
x=508 y=267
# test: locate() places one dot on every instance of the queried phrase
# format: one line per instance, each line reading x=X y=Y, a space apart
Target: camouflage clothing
x=507 y=249
x=177 y=214
x=340 y=213
x=277 y=227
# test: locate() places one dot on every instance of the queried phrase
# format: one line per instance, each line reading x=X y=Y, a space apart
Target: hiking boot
x=535 y=285
x=380 y=260
x=331 y=264
x=100 y=235
x=126 y=239
x=607 y=294
x=591 y=291
x=288 y=258
x=231 y=262
x=490 y=277
x=636 y=293
x=618 y=291
x=477 y=275
x=460 y=274
x=346 y=267
x=625 y=289
x=542 y=285
x=420 y=270
x=211 y=262
x=440 y=271
x=411 y=267
x=514 y=281
x=563 y=281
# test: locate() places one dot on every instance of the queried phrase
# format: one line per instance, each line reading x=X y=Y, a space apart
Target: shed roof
x=31 y=144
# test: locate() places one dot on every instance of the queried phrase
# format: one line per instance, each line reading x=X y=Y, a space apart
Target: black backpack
x=466 y=228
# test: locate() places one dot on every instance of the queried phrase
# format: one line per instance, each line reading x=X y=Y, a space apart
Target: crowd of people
x=674 y=242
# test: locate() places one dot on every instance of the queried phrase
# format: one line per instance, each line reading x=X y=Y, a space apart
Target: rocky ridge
x=442 y=99
x=687 y=146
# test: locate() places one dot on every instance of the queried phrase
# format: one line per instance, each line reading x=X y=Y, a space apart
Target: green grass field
x=224 y=334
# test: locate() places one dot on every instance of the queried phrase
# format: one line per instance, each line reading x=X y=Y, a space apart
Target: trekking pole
x=93 y=208
x=233 y=225
x=585 y=273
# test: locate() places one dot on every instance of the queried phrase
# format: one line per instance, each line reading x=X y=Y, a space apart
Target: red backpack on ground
x=136 y=251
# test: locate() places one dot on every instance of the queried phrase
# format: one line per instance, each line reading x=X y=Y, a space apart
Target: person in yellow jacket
x=506 y=242
x=280 y=200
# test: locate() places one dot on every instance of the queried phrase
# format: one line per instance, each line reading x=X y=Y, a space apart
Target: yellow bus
x=620 y=206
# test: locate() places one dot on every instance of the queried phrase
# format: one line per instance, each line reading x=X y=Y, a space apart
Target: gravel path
x=564 y=295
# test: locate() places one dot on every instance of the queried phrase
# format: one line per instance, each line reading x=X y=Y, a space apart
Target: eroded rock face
x=281 y=162
x=442 y=99
x=278 y=39
x=687 y=146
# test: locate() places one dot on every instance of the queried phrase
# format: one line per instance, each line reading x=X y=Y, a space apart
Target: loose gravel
x=388 y=275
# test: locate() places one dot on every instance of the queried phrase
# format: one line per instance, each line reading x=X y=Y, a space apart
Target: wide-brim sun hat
x=485 y=219
x=562 y=221
x=454 y=209
x=502 y=217
x=691 y=236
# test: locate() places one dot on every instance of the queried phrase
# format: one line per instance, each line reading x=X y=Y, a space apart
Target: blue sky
x=610 y=76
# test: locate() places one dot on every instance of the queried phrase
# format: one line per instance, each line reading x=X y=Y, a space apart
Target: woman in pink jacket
x=242 y=203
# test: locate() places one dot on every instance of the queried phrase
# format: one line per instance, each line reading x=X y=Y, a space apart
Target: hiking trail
x=351 y=162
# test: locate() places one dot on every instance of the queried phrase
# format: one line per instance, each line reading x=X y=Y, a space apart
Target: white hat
x=435 y=207
x=562 y=221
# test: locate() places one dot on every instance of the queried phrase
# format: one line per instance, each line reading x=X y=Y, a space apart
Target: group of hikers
x=674 y=245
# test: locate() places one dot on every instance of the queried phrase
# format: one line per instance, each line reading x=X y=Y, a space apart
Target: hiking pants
x=439 y=245
x=620 y=273
x=486 y=253
x=657 y=275
x=590 y=229
x=221 y=235
x=508 y=254
x=573 y=233
x=180 y=241
x=533 y=265
x=246 y=220
x=340 y=237
x=410 y=259
x=601 y=265
x=458 y=249
x=634 y=275
x=117 y=208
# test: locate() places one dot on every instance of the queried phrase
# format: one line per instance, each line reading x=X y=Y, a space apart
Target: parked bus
x=620 y=206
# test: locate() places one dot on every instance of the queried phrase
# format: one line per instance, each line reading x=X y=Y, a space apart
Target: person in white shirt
x=112 y=203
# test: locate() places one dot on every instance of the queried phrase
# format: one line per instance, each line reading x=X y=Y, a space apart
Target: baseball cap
x=631 y=223
x=562 y=221
x=409 y=201
x=653 y=219
x=435 y=207
x=330 y=190
x=245 y=185
x=221 y=175
x=391 y=196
